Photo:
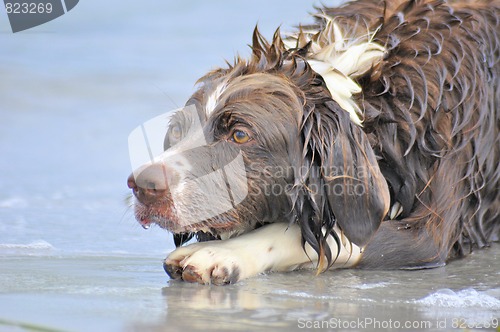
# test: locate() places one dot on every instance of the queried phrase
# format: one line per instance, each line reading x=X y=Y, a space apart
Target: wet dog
x=368 y=139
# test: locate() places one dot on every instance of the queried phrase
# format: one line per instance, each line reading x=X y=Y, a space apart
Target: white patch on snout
x=180 y=166
x=213 y=98
x=196 y=197
x=200 y=198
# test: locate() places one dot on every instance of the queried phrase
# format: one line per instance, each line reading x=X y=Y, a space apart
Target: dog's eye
x=175 y=134
x=240 y=137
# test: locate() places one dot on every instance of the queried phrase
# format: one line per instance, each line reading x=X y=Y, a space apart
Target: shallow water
x=72 y=256
x=124 y=292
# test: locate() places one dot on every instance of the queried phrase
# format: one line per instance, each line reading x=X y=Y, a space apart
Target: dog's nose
x=150 y=185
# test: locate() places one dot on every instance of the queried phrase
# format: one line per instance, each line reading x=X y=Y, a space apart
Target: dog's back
x=431 y=110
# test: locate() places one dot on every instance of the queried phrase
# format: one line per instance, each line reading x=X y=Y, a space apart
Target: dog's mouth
x=154 y=215
x=164 y=215
x=208 y=204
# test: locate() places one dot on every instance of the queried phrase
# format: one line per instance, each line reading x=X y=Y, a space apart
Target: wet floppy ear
x=337 y=182
x=357 y=191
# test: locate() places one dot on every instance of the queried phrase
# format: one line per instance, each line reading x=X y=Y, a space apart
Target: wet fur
x=430 y=139
x=431 y=118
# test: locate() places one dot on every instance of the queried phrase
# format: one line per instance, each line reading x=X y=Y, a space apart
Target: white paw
x=204 y=263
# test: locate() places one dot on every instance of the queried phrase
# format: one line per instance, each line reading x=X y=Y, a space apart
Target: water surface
x=72 y=256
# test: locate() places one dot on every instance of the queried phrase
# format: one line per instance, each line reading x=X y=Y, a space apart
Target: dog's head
x=259 y=142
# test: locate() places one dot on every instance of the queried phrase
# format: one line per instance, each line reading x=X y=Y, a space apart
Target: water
x=72 y=256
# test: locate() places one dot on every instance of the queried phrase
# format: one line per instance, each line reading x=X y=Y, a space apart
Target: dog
x=369 y=139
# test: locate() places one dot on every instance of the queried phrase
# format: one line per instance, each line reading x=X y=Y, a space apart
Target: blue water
x=72 y=256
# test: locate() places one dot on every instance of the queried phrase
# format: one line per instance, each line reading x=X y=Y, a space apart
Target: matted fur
x=427 y=153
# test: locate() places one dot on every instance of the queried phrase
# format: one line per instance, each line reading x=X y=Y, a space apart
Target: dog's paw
x=204 y=263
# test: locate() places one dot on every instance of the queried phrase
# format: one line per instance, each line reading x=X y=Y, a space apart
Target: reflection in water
x=366 y=298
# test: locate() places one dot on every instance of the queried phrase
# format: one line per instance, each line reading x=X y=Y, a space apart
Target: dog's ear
x=349 y=187
x=357 y=191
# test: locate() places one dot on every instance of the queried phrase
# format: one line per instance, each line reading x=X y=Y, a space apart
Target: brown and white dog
x=369 y=139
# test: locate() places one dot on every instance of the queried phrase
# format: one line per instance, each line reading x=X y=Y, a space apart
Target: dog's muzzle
x=188 y=183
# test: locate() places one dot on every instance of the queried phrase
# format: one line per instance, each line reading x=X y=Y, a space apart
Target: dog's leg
x=274 y=247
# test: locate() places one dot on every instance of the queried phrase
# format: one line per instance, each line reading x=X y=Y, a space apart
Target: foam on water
x=304 y=295
x=467 y=298
x=370 y=286
x=33 y=248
